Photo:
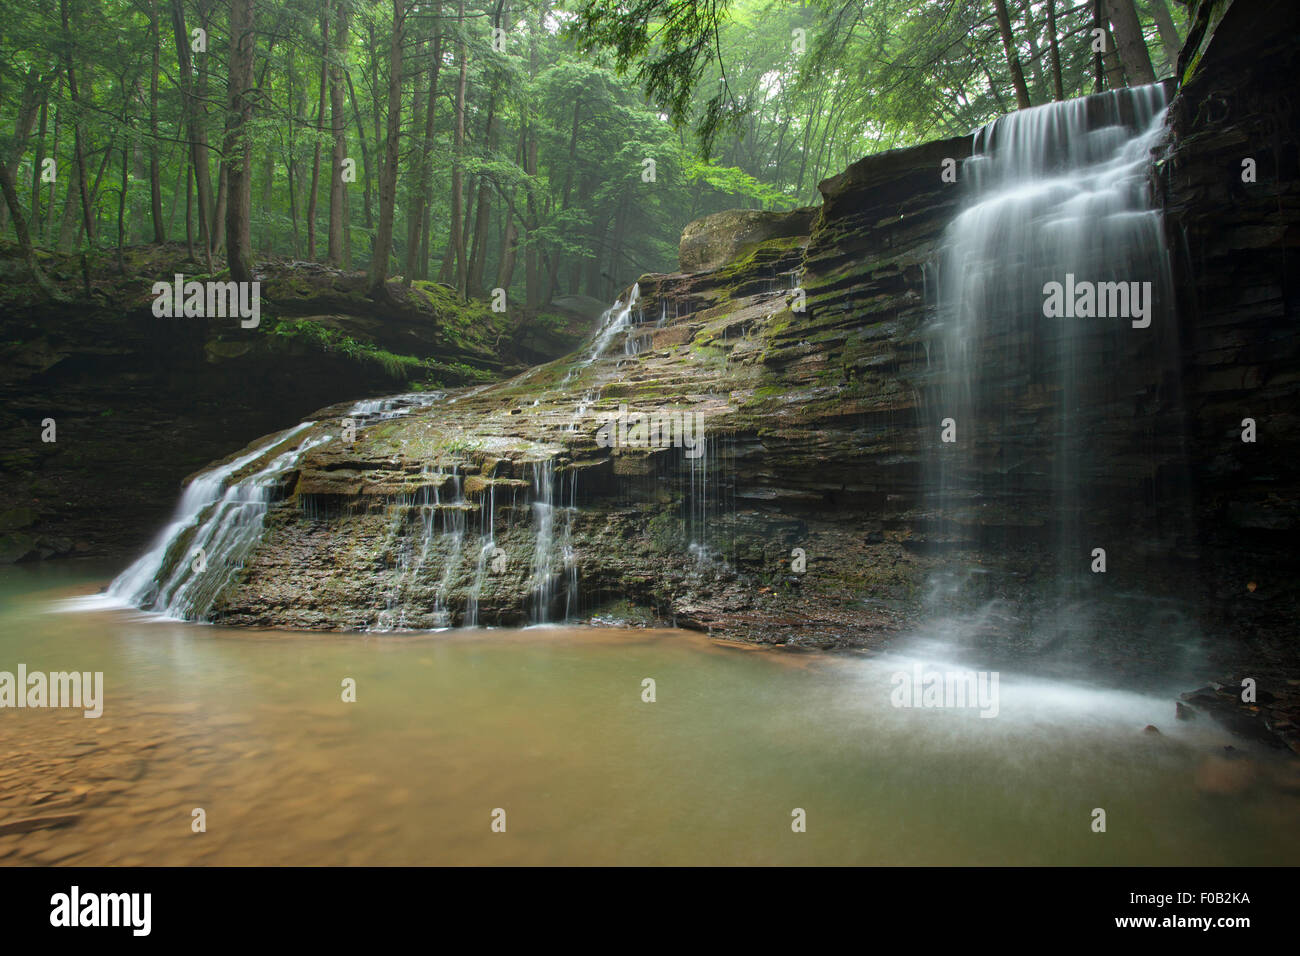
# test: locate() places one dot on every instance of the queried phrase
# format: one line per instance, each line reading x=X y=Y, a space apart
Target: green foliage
x=399 y=367
x=556 y=125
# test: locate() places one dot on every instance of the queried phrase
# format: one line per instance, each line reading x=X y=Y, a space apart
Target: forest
x=650 y=433
x=542 y=148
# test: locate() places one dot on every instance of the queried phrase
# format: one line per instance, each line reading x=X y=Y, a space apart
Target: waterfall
x=1026 y=383
x=403 y=594
x=613 y=320
x=216 y=522
x=567 y=552
x=487 y=534
x=546 y=574
x=453 y=524
x=213 y=529
x=541 y=584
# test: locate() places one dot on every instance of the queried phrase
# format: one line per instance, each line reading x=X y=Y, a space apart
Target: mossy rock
x=713 y=241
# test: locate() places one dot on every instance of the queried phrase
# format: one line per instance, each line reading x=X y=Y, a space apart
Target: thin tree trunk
x=20 y=229
x=155 y=164
x=78 y=147
x=51 y=202
x=1058 y=87
x=198 y=136
x=378 y=275
x=320 y=119
x=121 y=209
x=553 y=278
x=531 y=273
x=1169 y=39
x=1013 y=58
x=189 y=208
x=1133 y=52
x=414 y=215
x=338 y=124
x=417 y=253
x=483 y=212
x=99 y=180
x=456 y=245
x=237 y=160
x=365 y=151
x=36 y=220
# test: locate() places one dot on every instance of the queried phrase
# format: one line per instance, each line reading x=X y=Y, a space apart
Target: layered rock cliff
x=806 y=356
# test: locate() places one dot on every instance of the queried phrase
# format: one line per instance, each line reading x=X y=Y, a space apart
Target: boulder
x=713 y=241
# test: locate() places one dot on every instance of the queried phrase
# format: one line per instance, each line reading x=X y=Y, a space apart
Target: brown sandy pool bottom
x=550 y=726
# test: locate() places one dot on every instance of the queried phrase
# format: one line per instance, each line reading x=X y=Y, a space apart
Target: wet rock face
x=1230 y=181
x=804 y=521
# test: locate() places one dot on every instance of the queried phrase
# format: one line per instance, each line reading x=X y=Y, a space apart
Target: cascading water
x=568 y=553
x=217 y=523
x=1026 y=383
x=487 y=550
x=402 y=595
x=214 y=527
x=613 y=320
x=541 y=584
x=453 y=523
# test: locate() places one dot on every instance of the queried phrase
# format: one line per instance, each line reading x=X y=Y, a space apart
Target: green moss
x=667 y=532
x=422 y=373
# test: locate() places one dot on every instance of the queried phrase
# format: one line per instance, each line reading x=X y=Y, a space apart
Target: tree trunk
x=30 y=106
x=198 y=136
x=320 y=119
x=483 y=212
x=532 y=292
x=553 y=279
x=378 y=275
x=20 y=228
x=51 y=202
x=1058 y=87
x=1013 y=58
x=417 y=255
x=189 y=208
x=155 y=164
x=237 y=148
x=78 y=146
x=1169 y=39
x=421 y=105
x=36 y=220
x=121 y=208
x=1132 y=46
x=338 y=124
x=223 y=201
x=365 y=151
x=454 y=264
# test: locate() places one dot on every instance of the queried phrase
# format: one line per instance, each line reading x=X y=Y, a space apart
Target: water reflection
x=549 y=724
